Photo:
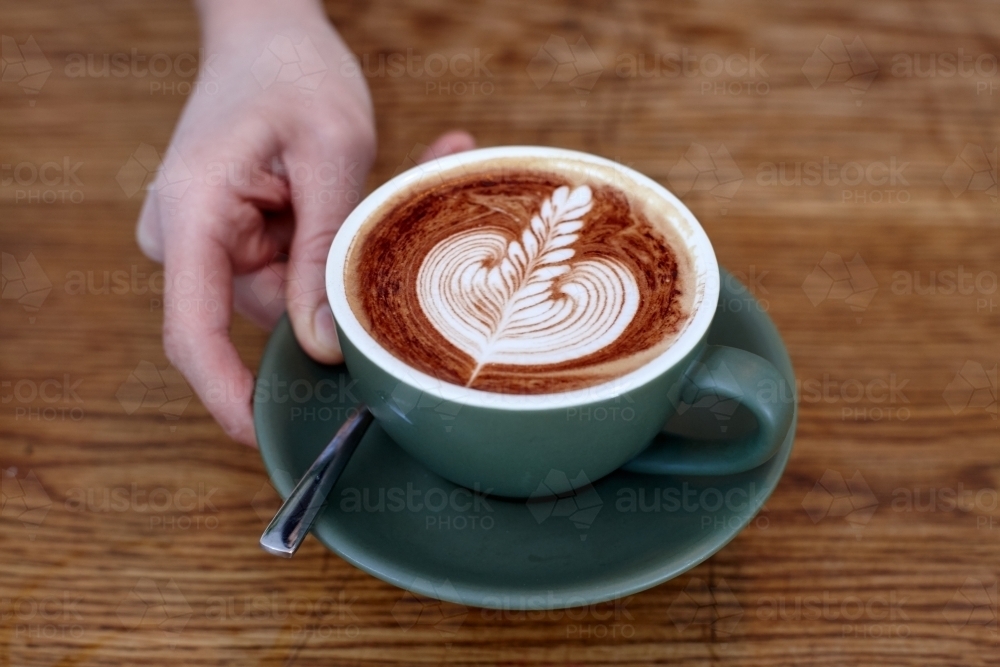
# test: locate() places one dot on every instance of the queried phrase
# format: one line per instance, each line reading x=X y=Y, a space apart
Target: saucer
x=396 y=520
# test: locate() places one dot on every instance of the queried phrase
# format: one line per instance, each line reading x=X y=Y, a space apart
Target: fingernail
x=326 y=333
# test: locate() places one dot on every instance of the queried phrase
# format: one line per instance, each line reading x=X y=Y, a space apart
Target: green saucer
x=396 y=520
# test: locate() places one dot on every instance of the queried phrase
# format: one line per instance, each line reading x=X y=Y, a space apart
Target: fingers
x=455 y=141
x=260 y=296
x=326 y=183
x=197 y=311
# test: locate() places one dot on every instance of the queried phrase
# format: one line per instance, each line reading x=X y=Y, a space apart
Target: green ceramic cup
x=506 y=444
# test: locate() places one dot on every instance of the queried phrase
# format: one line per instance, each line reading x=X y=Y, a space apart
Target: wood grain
x=808 y=588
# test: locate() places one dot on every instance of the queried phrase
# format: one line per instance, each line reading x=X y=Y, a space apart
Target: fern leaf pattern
x=526 y=300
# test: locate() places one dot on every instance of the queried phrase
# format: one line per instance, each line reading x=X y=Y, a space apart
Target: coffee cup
x=594 y=361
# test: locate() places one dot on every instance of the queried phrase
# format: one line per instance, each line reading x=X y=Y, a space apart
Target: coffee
x=523 y=276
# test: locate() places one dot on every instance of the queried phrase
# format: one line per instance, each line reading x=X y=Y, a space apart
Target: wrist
x=225 y=21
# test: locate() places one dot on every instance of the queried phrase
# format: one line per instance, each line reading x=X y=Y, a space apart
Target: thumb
x=324 y=190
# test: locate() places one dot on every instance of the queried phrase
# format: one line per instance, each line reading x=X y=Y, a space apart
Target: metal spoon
x=292 y=522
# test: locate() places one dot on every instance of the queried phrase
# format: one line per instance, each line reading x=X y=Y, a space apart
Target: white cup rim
x=706 y=270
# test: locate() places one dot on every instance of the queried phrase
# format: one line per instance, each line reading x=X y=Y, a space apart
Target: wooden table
x=130 y=538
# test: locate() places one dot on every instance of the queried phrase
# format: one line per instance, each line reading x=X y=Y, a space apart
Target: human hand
x=274 y=169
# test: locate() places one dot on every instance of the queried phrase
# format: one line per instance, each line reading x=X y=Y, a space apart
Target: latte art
x=522 y=277
x=525 y=301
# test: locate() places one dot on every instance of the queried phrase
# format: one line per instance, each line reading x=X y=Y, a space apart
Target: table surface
x=845 y=177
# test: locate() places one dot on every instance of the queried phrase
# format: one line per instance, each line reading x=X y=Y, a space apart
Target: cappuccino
x=523 y=276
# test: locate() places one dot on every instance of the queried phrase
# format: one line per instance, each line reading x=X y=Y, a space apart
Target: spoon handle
x=292 y=522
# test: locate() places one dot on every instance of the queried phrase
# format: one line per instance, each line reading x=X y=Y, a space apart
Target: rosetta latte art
x=526 y=301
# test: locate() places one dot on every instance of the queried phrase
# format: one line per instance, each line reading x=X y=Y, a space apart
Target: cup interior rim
x=699 y=247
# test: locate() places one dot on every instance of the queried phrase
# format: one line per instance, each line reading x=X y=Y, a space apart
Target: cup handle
x=728 y=373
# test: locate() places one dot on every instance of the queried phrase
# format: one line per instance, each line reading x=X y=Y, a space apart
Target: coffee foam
x=517 y=275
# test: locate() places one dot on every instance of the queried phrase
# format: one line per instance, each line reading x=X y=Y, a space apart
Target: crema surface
x=508 y=277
